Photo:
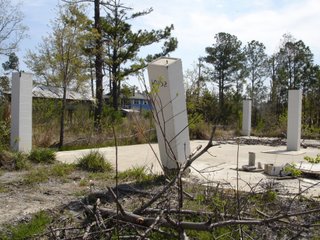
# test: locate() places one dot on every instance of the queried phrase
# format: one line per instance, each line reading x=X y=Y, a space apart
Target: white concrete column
x=246 y=117
x=21 y=112
x=168 y=97
x=294 y=120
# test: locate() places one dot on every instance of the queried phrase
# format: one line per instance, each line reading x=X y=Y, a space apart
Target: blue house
x=137 y=101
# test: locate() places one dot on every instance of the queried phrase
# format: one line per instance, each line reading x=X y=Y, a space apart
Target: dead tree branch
x=136 y=219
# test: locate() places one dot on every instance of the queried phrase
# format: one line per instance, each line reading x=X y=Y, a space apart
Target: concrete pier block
x=21 y=112
x=252 y=159
x=170 y=112
x=294 y=120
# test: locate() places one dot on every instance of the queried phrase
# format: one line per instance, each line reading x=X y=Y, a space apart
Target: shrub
x=42 y=155
x=313 y=160
x=13 y=160
x=198 y=128
x=4 y=135
x=6 y=160
x=292 y=170
x=94 y=162
x=21 y=161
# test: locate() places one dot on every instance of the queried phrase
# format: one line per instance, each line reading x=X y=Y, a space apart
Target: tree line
x=239 y=71
x=102 y=50
x=98 y=52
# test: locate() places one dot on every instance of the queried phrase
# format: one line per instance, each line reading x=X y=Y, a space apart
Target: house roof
x=57 y=93
x=138 y=95
x=51 y=92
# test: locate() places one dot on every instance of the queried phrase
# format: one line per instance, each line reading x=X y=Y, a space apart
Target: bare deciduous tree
x=12 y=29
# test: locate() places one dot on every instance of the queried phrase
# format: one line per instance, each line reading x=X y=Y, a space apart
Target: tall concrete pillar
x=294 y=120
x=246 y=117
x=168 y=97
x=21 y=112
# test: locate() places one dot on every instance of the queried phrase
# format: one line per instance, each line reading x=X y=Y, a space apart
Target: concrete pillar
x=168 y=98
x=246 y=117
x=294 y=120
x=21 y=112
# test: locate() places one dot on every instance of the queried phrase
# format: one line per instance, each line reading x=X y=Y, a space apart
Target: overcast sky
x=197 y=21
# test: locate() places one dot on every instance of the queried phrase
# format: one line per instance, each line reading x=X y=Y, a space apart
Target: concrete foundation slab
x=216 y=167
x=285 y=152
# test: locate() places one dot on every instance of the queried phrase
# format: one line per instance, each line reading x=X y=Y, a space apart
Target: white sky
x=197 y=21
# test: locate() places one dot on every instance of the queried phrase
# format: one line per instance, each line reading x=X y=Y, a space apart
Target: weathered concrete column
x=294 y=120
x=21 y=112
x=168 y=98
x=246 y=117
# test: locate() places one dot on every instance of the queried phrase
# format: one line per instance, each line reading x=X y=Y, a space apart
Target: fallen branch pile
x=166 y=214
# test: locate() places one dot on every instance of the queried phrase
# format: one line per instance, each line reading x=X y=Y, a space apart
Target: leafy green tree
x=124 y=44
x=8 y=66
x=60 y=57
x=227 y=59
x=291 y=68
x=310 y=100
x=295 y=58
x=12 y=63
x=98 y=63
x=4 y=84
x=275 y=98
x=257 y=68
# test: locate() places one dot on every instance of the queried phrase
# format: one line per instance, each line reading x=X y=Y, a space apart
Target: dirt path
x=18 y=199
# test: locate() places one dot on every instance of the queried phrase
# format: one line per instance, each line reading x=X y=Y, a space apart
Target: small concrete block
x=259 y=165
x=252 y=159
x=272 y=170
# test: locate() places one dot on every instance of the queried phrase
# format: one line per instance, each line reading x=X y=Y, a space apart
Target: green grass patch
x=83 y=182
x=94 y=162
x=37 y=175
x=36 y=225
x=62 y=170
x=3 y=188
x=44 y=173
x=81 y=193
x=101 y=175
x=42 y=155
x=138 y=174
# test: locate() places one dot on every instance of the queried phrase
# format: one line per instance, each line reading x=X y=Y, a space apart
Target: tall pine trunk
x=98 y=67
x=62 y=116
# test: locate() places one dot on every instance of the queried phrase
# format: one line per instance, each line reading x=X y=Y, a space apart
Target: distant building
x=136 y=102
x=54 y=95
x=50 y=92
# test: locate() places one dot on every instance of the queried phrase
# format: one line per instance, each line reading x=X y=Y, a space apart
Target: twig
x=153 y=225
x=114 y=197
x=184 y=192
x=173 y=180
